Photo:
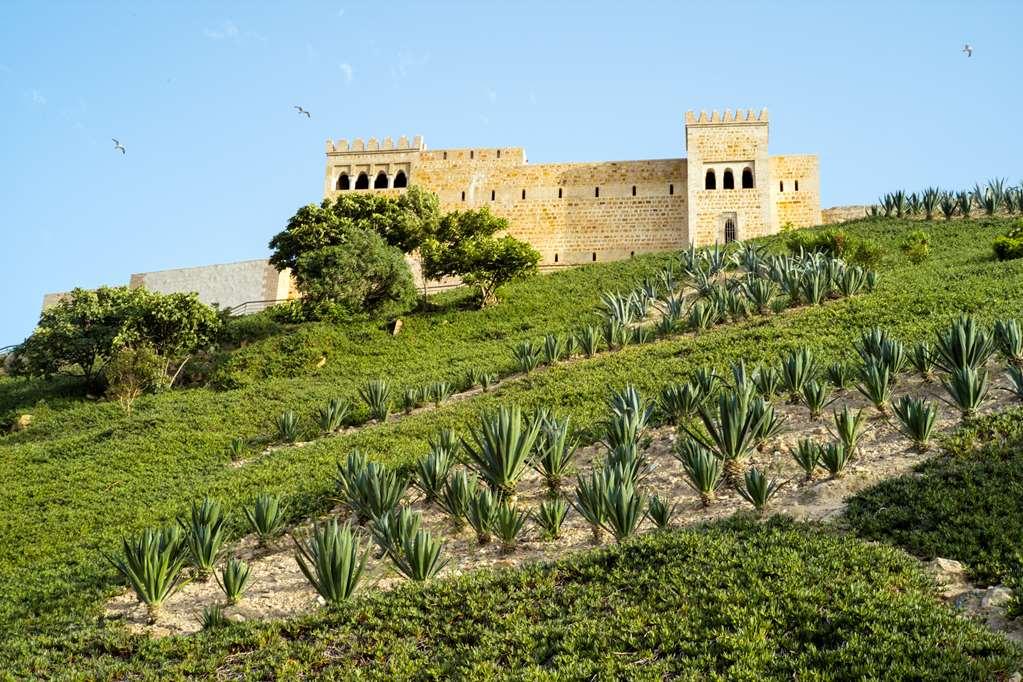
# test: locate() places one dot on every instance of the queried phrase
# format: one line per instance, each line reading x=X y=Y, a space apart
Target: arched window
x=711 y=181
x=729 y=230
x=747 y=178
x=401 y=180
x=362 y=182
x=728 y=181
x=343 y=182
x=381 y=181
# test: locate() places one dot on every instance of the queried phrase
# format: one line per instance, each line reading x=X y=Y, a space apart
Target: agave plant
x=459 y=489
x=917 y=418
x=473 y=378
x=703 y=469
x=816 y=396
x=411 y=398
x=1009 y=340
x=287 y=427
x=482 y=514
x=875 y=383
x=233 y=579
x=553 y=348
x=964 y=344
x=432 y=472
x=589 y=339
x=834 y=457
x=680 y=402
x=152 y=565
x=624 y=505
x=440 y=391
x=446 y=439
x=237 y=449
x=620 y=308
x=702 y=315
x=770 y=422
x=391 y=530
x=549 y=516
x=527 y=356
x=964 y=203
x=849 y=427
x=760 y=292
x=968 y=388
x=767 y=381
x=807 y=455
x=839 y=375
x=929 y=201
x=852 y=281
x=797 y=368
x=814 y=286
x=500 y=448
x=1016 y=381
x=332 y=560
x=660 y=512
x=486 y=381
x=732 y=431
x=591 y=501
x=377 y=396
x=742 y=379
x=330 y=417
x=706 y=380
x=616 y=334
x=212 y=617
x=266 y=518
x=758 y=490
x=205 y=534
x=373 y=491
x=555 y=453
x=948 y=205
x=419 y=557
x=508 y=523
x=922 y=359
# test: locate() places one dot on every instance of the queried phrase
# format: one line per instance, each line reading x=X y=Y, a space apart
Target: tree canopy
x=86 y=327
x=465 y=246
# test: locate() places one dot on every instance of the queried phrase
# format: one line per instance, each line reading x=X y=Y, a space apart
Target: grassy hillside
x=85 y=473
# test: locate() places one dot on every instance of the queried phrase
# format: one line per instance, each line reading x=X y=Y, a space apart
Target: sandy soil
x=277 y=588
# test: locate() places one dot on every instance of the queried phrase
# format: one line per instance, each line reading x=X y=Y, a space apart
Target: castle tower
x=728 y=177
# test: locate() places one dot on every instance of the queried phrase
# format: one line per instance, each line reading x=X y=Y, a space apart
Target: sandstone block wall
x=795 y=190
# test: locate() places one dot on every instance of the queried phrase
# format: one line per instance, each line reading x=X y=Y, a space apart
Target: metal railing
x=251 y=307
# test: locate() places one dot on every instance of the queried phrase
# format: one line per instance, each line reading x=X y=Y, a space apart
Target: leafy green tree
x=404 y=221
x=361 y=274
x=84 y=329
x=466 y=246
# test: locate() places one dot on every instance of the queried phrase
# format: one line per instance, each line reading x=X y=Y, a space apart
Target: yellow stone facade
x=727 y=187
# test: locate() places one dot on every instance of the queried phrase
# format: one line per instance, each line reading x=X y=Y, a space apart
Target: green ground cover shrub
x=737 y=600
x=965 y=505
x=86 y=474
x=1010 y=245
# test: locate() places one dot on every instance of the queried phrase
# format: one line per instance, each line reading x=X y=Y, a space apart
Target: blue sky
x=201 y=95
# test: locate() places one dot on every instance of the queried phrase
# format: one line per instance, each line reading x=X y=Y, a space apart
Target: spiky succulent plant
x=549 y=516
x=807 y=454
x=332 y=560
x=377 y=396
x=968 y=389
x=757 y=489
x=702 y=467
x=233 y=579
x=500 y=448
x=287 y=427
x=266 y=518
x=152 y=565
x=917 y=418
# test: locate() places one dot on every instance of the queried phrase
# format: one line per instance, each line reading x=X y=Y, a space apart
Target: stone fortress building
x=726 y=188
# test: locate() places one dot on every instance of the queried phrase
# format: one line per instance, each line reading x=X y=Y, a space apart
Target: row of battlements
x=729 y=116
x=372 y=145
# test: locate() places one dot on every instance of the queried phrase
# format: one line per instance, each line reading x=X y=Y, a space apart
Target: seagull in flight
x=117 y=145
x=968 y=49
x=301 y=111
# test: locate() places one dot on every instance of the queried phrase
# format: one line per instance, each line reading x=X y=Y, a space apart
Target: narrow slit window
x=523 y=195
x=633 y=190
x=463 y=196
x=559 y=193
x=596 y=193
x=472 y=154
x=594 y=255
x=781 y=185
x=493 y=195
x=632 y=254
x=797 y=185
x=555 y=258
x=445 y=156
x=671 y=190
x=498 y=153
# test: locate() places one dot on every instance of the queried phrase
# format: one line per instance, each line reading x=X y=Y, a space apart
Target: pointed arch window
x=343 y=182
x=381 y=181
x=362 y=182
x=747 y=178
x=401 y=180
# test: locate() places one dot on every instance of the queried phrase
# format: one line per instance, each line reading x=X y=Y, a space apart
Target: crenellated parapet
x=360 y=146
x=728 y=116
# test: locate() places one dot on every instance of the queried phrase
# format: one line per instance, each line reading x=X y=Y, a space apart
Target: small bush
x=1010 y=245
x=916 y=246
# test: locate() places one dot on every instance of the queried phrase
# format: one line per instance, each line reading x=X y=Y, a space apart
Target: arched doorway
x=381 y=181
x=362 y=182
x=343 y=183
x=400 y=180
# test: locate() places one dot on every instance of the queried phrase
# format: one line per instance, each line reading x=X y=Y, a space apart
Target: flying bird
x=968 y=49
x=117 y=145
x=301 y=111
